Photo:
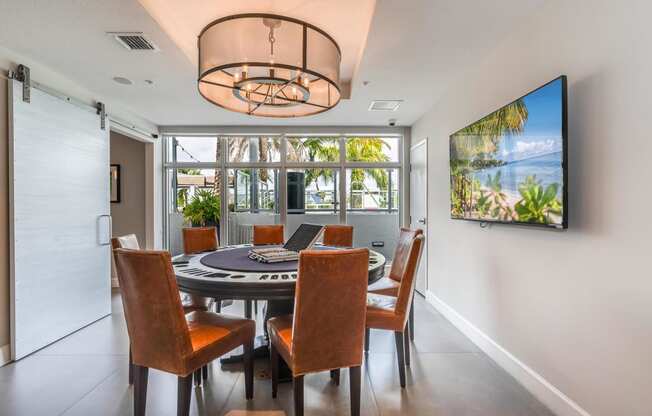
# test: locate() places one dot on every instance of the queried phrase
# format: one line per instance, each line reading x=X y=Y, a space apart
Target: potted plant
x=203 y=210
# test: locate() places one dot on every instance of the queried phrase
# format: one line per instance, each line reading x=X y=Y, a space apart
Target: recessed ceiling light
x=149 y=82
x=122 y=80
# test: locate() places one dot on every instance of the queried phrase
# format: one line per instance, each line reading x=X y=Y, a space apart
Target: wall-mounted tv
x=511 y=166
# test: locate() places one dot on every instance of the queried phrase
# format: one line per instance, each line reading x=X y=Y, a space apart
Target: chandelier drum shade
x=268 y=65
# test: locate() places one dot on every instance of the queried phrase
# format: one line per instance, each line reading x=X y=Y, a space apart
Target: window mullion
x=342 y=183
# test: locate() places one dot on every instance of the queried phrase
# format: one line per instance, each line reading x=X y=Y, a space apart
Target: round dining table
x=229 y=273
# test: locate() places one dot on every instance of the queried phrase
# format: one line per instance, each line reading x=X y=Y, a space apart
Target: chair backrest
x=338 y=235
x=329 y=309
x=199 y=239
x=268 y=234
x=157 y=327
x=401 y=253
x=126 y=241
x=405 y=264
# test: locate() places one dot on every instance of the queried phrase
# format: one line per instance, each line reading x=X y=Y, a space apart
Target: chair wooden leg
x=218 y=305
x=140 y=389
x=367 y=333
x=131 y=368
x=335 y=376
x=247 y=304
x=198 y=377
x=297 y=383
x=249 y=369
x=411 y=321
x=204 y=372
x=273 y=358
x=398 y=336
x=406 y=344
x=184 y=392
x=354 y=379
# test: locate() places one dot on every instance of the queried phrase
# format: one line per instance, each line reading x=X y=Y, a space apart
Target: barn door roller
x=22 y=75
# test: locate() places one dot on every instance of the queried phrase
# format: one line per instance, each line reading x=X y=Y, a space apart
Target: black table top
x=227 y=273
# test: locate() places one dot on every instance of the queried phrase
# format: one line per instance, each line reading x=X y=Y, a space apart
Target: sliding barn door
x=59 y=219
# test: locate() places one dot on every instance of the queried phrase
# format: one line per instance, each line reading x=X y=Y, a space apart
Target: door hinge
x=101 y=111
x=22 y=75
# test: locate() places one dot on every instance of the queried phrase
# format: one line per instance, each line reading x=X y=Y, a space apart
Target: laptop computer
x=304 y=237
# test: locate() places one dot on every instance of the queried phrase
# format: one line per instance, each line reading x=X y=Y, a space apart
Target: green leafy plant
x=203 y=209
x=537 y=204
x=500 y=208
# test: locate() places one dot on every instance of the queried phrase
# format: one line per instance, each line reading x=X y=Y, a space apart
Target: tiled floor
x=86 y=374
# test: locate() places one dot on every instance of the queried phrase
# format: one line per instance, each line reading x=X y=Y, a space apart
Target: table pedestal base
x=261 y=342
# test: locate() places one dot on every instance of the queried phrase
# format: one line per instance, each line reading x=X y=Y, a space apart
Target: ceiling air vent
x=385 y=105
x=134 y=41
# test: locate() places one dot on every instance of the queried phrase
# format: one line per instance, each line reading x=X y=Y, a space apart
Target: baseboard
x=548 y=394
x=5 y=354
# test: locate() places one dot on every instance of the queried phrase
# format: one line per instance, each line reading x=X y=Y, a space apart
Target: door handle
x=422 y=221
x=108 y=231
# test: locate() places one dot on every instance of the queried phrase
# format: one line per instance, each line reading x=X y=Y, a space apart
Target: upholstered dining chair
x=199 y=240
x=391 y=313
x=336 y=235
x=268 y=234
x=163 y=337
x=389 y=285
x=318 y=338
x=130 y=241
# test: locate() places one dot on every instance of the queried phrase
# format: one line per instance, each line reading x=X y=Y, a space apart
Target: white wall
x=129 y=214
x=574 y=306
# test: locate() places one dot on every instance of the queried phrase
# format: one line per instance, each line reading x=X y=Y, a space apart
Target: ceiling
x=409 y=50
x=182 y=21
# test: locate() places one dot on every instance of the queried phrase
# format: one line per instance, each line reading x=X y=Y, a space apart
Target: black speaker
x=296 y=193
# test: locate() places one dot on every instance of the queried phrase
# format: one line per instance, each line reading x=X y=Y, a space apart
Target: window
x=254 y=149
x=370 y=149
x=320 y=179
x=312 y=197
x=372 y=189
x=252 y=200
x=313 y=149
x=193 y=149
x=194 y=200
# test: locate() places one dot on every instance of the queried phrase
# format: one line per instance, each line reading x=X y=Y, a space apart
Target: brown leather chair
x=268 y=234
x=199 y=239
x=130 y=241
x=390 y=285
x=391 y=313
x=162 y=337
x=327 y=329
x=338 y=235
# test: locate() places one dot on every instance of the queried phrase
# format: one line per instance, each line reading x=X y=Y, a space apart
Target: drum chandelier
x=268 y=65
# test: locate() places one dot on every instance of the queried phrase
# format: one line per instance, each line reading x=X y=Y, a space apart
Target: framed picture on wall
x=114 y=186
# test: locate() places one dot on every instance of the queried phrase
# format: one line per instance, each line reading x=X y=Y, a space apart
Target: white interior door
x=418 y=203
x=59 y=219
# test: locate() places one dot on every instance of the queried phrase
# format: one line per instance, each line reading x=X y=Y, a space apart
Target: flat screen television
x=511 y=166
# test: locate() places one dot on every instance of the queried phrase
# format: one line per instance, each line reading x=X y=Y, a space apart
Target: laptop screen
x=303 y=237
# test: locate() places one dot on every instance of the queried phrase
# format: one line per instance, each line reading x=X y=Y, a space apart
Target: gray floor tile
x=86 y=374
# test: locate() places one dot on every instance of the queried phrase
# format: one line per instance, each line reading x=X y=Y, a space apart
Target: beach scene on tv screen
x=508 y=166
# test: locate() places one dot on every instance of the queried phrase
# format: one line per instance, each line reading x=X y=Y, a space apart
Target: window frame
x=283 y=165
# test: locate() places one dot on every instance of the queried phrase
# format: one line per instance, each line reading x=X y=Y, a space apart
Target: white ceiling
x=414 y=48
x=345 y=20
